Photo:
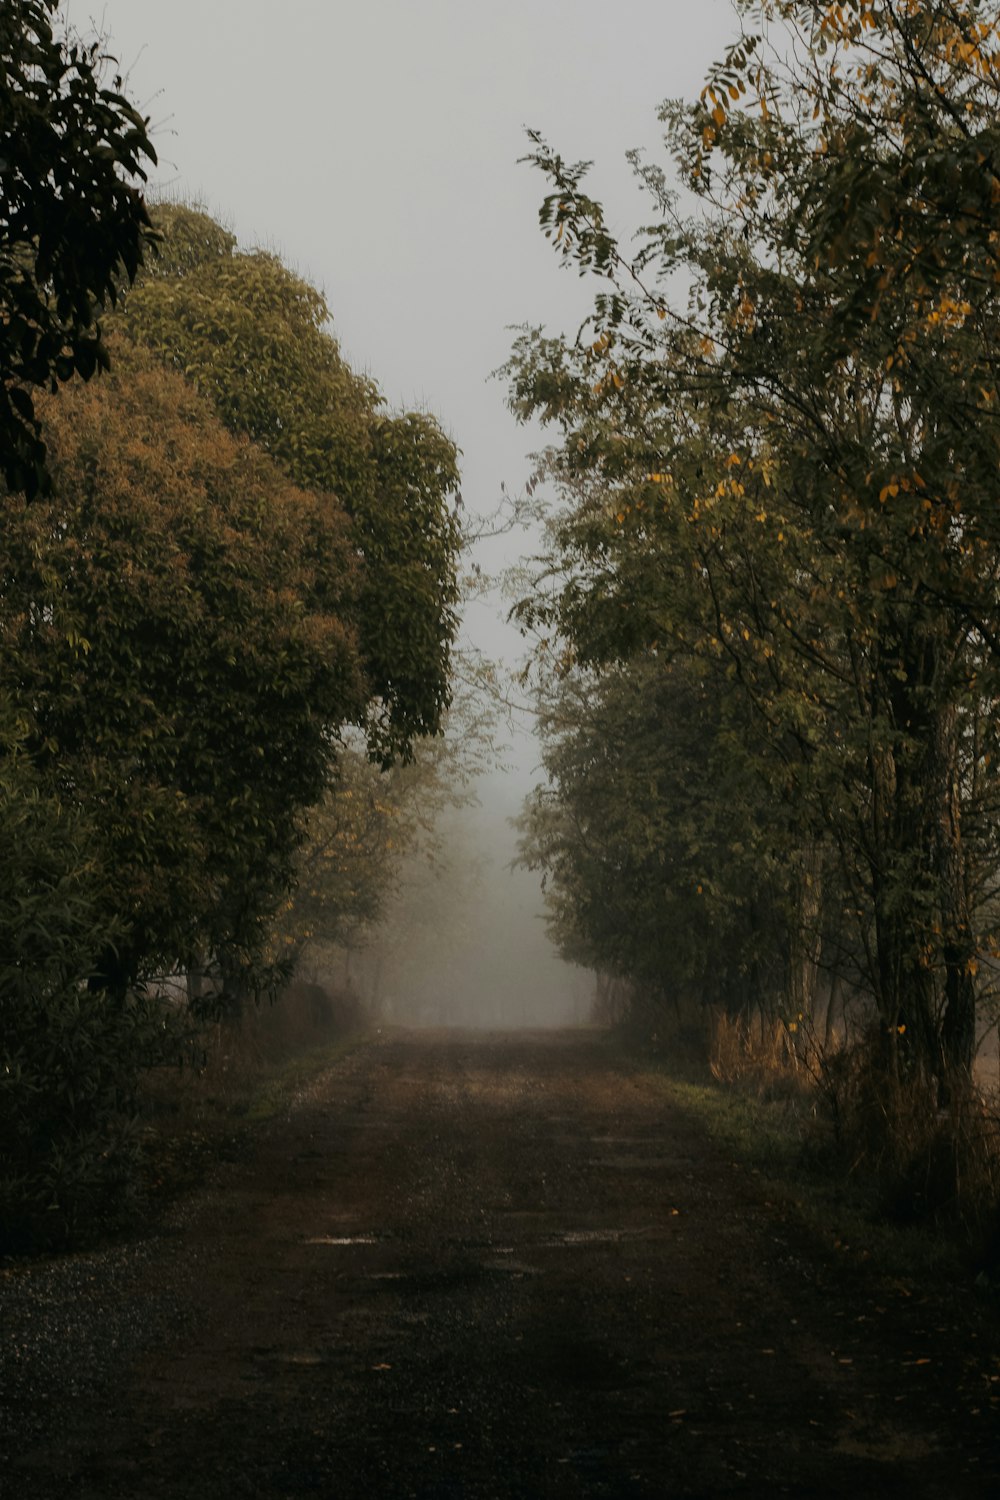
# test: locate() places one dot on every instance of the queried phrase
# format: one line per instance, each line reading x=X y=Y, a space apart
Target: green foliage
x=351 y=845
x=175 y=636
x=254 y=338
x=73 y=225
x=373 y=820
x=659 y=836
x=788 y=479
x=240 y=555
x=69 y=1056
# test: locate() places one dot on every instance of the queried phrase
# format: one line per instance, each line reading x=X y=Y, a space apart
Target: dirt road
x=489 y=1266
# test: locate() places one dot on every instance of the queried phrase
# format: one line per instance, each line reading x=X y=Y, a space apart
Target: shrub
x=926 y=1163
x=69 y=1056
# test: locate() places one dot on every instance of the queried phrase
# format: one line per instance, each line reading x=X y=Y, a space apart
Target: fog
x=463 y=941
x=503 y=974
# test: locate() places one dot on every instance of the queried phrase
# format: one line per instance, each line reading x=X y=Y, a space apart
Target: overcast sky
x=374 y=146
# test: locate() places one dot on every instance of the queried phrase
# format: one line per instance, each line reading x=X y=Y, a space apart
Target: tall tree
x=667 y=858
x=370 y=821
x=177 y=637
x=786 y=484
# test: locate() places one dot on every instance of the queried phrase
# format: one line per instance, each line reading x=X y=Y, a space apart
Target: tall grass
x=875 y=1125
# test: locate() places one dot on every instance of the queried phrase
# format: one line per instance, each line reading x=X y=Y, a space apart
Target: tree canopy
x=73 y=224
x=255 y=339
x=176 y=627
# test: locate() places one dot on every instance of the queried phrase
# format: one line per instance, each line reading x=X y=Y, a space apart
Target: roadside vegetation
x=222 y=1080
x=227 y=612
x=916 y=1195
x=768 y=656
x=766 y=618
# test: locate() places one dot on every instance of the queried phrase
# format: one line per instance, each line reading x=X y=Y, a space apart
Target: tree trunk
x=958 y=1024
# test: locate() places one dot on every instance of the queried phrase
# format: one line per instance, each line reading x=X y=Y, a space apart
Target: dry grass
x=881 y=1129
x=928 y=1163
x=759 y=1054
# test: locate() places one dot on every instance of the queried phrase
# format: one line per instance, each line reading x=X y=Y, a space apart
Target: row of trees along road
x=217 y=559
x=770 y=600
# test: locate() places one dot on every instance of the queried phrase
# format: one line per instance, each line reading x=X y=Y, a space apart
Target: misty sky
x=374 y=147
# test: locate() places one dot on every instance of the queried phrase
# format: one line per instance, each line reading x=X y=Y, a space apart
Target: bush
x=69 y=1057
x=926 y=1164
x=227 y=1061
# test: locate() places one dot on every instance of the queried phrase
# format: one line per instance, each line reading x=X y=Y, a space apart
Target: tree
x=353 y=840
x=668 y=861
x=782 y=479
x=177 y=639
x=369 y=823
x=254 y=339
x=73 y=225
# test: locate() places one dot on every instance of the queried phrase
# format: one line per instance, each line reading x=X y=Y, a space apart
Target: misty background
x=375 y=148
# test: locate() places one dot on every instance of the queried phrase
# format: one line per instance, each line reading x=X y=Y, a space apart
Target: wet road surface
x=494 y=1266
